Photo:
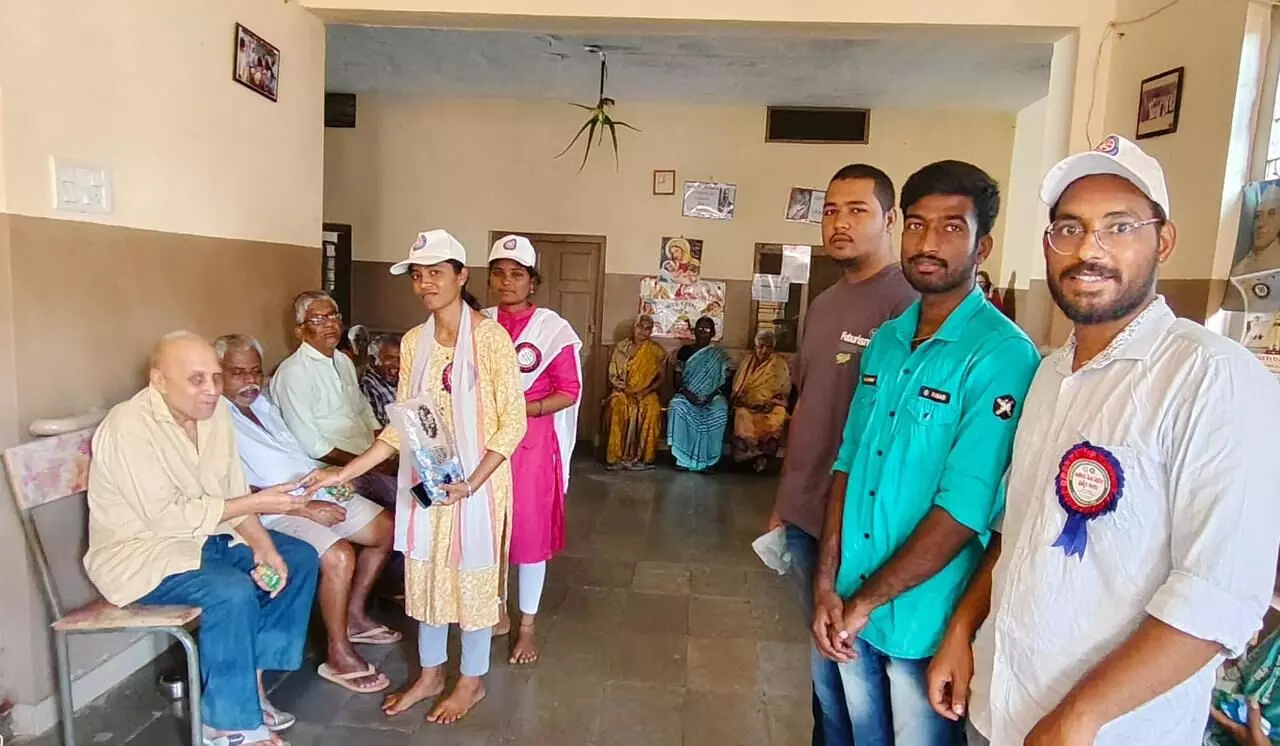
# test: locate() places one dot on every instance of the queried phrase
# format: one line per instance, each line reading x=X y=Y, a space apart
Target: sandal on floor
x=345 y=680
x=259 y=735
x=380 y=635
x=276 y=720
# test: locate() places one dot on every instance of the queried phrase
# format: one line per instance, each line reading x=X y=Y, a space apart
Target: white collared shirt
x=321 y=402
x=269 y=452
x=1190 y=417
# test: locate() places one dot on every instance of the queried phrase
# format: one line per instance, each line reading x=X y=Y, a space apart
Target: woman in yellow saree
x=760 y=392
x=633 y=414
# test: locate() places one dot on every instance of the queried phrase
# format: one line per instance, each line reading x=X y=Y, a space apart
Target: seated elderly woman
x=633 y=414
x=698 y=413
x=760 y=392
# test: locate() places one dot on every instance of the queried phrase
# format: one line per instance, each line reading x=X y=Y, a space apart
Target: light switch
x=79 y=187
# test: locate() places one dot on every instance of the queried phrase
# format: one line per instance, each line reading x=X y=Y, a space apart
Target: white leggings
x=532 y=578
x=433 y=648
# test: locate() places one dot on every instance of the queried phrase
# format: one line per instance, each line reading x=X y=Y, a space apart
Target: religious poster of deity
x=680 y=260
x=675 y=307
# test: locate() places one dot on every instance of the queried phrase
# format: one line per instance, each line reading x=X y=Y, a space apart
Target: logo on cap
x=421 y=243
x=509 y=244
x=1110 y=146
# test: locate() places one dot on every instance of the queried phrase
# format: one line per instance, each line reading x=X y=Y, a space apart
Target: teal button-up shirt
x=929 y=427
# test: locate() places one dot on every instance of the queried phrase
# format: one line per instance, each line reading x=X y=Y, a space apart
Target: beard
x=946 y=279
x=1088 y=311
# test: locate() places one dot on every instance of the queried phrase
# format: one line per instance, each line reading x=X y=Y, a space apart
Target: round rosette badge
x=1089 y=484
x=446 y=378
x=528 y=357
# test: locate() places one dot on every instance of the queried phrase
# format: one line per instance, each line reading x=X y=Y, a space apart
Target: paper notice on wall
x=805 y=205
x=770 y=288
x=710 y=200
x=795 y=263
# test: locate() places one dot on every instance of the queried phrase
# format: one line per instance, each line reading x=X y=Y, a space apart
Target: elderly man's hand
x=278 y=500
x=270 y=558
x=325 y=513
x=329 y=476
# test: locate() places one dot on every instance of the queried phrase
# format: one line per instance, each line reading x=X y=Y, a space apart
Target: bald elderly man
x=172 y=522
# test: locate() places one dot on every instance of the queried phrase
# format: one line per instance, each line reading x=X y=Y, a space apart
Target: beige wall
x=476 y=165
x=217 y=215
x=144 y=88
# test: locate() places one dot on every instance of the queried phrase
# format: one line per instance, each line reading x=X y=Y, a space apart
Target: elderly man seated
x=331 y=522
x=381 y=378
x=319 y=395
x=172 y=522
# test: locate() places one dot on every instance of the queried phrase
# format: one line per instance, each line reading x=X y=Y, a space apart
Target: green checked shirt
x=933 y=427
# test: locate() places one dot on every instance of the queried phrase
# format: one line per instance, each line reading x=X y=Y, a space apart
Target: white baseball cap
x=1116 y=156
x=516 y=248
x=432 y=247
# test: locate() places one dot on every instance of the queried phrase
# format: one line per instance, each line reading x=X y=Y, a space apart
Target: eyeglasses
x=319 y=321
x=1067 y=236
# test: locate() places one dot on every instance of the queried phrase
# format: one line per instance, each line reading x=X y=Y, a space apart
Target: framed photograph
x=257 y=63
x=664 y=182
x=1159 y=102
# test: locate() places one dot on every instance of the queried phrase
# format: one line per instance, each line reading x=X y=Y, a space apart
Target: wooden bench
x=45 y=471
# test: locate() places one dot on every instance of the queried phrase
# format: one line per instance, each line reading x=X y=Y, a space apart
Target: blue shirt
x=929 y=427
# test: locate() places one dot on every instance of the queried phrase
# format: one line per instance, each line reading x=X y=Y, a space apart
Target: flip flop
x=276 y=720
x=344 y=679
x=380 y=635
x=259 y=735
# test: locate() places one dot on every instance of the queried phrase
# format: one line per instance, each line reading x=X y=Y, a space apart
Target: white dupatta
x=476 y=539
x=548 y=334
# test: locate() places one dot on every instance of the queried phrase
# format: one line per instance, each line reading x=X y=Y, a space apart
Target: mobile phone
x=419 y=492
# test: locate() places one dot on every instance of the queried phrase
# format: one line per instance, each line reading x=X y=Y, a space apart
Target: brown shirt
x=838 y=327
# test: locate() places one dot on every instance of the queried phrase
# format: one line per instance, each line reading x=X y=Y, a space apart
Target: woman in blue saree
x=698 y=413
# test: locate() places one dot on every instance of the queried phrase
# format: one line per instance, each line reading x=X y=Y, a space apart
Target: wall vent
x=340 y=110
x=817 y=125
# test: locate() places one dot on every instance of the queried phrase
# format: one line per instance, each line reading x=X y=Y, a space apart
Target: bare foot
x=465 y=695
x=429 y=684
x=359 y=621
x=525 y=651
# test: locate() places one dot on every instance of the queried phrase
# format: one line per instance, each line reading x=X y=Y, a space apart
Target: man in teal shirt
x=928 y=438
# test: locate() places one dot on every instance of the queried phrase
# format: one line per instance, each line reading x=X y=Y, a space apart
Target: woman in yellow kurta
x=633 y=414
x=760 y=392
x=463 y=366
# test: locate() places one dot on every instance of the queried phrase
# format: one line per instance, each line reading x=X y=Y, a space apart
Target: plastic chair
x=51 y=469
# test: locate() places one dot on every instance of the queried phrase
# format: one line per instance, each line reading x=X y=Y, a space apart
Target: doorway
x=572 y=271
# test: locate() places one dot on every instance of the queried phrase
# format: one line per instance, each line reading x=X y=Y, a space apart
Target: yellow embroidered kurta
x=435 y=591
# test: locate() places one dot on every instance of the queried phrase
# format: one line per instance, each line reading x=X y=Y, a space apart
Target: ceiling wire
x=1102 y=43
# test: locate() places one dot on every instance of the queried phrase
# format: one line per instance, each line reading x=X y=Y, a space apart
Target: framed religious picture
x=664 y=182
x=1159 y=103
x=257 y=63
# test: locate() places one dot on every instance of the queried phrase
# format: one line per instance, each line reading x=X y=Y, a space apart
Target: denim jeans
x=242 y=629
x=831 y=716
x=889 y=702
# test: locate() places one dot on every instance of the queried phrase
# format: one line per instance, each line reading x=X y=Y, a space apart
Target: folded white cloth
x=772 y=550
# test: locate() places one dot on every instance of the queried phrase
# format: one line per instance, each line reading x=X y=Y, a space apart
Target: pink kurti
x=537 y=518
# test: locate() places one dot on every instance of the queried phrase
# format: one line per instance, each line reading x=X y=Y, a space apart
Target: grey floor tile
x=719 y=580
x=723 y=665
x=649 y=659
x=655 y=613
x=635 y=714
x=721 y=617
x=342 y=735
x=661 y=577
x=784 y=667
x=790 y=719
x=725 y=719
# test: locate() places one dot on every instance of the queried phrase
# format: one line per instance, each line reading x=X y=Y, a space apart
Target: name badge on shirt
x=942 y=397
x=528 y=357
x=869 y=380
x=1089 y=484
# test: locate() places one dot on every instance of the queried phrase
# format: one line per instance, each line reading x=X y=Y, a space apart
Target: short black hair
x=884 y=189
x=959 y=179
x=1156 y=210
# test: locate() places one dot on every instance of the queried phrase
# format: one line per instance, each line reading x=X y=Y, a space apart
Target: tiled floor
x=660 y=627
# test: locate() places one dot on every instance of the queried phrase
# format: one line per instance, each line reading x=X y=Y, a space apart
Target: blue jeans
x=889 y=702
x=242 y=629
x=831 y=715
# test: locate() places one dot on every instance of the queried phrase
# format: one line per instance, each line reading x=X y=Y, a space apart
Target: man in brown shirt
x=857 y=231
x=172 y=522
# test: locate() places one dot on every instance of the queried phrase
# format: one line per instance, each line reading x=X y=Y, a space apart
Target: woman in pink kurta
x=547 y=351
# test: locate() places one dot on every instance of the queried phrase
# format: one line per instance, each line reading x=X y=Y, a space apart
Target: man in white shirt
x=331 y=522
x=1140 y=527
x=319 y=395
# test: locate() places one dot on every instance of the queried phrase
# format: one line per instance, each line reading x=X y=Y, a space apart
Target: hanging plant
x=600 y=119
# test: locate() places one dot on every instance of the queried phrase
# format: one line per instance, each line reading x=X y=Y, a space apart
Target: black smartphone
x=419 y=492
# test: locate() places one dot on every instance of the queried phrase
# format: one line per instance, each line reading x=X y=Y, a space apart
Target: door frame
x=596 y=373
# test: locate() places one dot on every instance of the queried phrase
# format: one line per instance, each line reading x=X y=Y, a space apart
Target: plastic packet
x=771 y=548
x=429 y=444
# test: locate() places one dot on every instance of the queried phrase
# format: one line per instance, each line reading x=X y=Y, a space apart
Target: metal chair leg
x=193 y=683
x=61 y=644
